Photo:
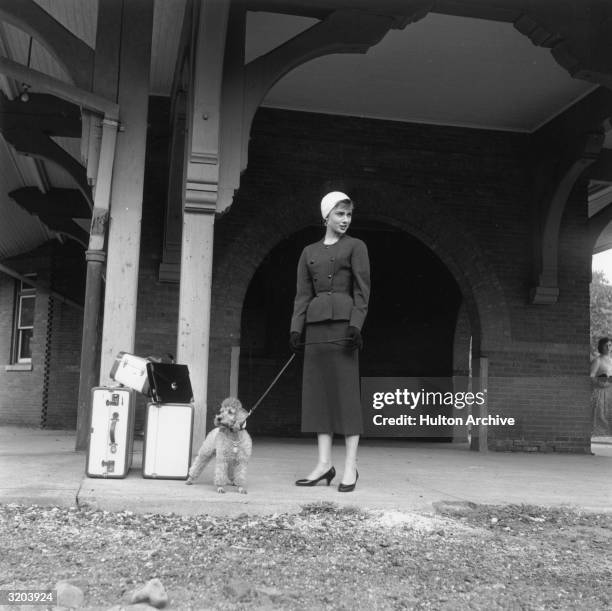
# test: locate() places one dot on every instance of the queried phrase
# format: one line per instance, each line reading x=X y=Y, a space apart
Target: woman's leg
x=350 y=463
x=324 y=445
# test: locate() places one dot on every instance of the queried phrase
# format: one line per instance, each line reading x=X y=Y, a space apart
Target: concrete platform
x=41 y=467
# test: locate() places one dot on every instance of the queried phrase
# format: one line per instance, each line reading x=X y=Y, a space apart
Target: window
x=24 y=323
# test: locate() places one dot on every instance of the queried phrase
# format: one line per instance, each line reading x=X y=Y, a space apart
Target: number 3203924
x=28 y=597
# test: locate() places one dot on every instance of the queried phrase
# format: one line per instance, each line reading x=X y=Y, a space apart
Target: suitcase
x=111 y=436
x=131 y=371
x=169 y=383
x=167 y=442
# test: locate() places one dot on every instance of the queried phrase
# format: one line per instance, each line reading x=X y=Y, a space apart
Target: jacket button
x=332 y=259
x=329 y=276
x=330 y=292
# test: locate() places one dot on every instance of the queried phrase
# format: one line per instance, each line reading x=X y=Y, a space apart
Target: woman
x=601 y=398
x=331 y=302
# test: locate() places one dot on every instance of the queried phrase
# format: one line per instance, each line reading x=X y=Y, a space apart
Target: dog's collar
x=231 y=429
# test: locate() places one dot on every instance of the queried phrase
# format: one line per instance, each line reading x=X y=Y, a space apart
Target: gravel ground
x=464 y=557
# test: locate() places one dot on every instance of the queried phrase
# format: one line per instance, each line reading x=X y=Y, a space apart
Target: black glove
x=354 y=336
x=295 y=342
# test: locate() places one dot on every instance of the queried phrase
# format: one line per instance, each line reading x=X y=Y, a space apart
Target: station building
x=162 y=165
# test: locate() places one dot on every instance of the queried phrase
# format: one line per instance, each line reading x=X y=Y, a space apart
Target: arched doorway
x=410 y=330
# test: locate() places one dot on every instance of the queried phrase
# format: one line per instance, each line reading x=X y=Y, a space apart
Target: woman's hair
x=344 y=202
x=601 y=343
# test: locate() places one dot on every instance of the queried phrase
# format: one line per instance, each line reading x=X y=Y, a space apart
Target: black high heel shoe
x=349 y=487
x=328 y=475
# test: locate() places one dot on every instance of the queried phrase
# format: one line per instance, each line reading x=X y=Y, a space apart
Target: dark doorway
x=408 y=333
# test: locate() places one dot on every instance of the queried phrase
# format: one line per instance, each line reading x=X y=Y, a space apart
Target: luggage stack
x=168 y=420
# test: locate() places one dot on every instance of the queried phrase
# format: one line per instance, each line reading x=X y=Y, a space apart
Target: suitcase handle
x=114 y=420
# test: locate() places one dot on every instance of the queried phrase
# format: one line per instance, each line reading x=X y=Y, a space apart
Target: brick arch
x=247 y=242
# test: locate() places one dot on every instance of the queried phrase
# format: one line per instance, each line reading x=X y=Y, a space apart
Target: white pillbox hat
x=330 y=200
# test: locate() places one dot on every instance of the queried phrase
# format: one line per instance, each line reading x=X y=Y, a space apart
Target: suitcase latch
x=114 y=399
x=110 y=465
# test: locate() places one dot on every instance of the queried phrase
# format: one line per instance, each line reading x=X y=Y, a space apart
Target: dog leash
x=280 y=373
x=326 y=341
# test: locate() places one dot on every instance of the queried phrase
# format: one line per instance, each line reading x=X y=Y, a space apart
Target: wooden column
x=90 y=345
x=98 y=144
x=200 y=198
x=127 y=187
x=480 y=369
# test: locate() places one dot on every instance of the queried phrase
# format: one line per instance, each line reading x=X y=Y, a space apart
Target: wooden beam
x=44 y=112
x=68 y=203
x=74 y=55
x=36 y=144
x=582 y=154
x=343 y=31
x=401 y=11
x=39 y=81
x=48 y=208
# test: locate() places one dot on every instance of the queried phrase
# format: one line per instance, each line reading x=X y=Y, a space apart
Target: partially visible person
x=601 y=398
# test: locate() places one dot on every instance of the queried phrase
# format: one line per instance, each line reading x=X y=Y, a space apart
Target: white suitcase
x=167 y=443
x=131 y=371
x=111 y=436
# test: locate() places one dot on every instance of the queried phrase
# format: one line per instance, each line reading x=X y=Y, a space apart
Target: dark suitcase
x=169 y=383
x=111 y=437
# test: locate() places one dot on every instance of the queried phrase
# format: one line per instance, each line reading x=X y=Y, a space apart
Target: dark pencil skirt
x=331 y=400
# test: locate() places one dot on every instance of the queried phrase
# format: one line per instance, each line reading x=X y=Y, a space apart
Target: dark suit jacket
x=333 y=283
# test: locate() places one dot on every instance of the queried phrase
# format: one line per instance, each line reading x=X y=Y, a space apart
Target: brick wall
x=461 y=198
x=46 y=395
x=20 y=391
x=64 y=367
x=466 y=195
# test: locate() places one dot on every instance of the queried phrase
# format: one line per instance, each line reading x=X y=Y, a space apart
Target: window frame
x=23 y=291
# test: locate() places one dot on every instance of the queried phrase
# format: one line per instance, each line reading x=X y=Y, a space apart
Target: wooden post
x=95 y=257
x=101 y=140
x=90 y=344
x=119 y=328
x=194 y=308
x=200 y=198
x=479 y=440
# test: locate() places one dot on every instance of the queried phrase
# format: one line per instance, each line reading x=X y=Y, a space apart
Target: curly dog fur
x=231 y=444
